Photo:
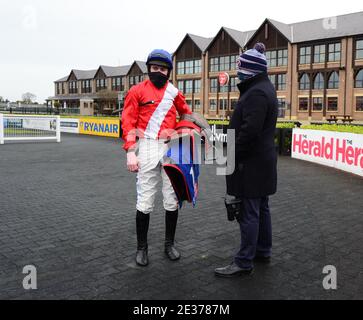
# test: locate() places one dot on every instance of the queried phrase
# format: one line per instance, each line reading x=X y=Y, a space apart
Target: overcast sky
x=41 y=41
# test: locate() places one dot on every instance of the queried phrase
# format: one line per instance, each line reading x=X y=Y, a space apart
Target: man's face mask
x=158 y=79
x=243 y=77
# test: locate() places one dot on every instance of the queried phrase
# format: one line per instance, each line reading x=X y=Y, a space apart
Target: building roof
x=201 y=42
x=241 y=37
x=84 y=74
x=333 y=27
x=62 y=79
x=142 y=66
x=115 y=71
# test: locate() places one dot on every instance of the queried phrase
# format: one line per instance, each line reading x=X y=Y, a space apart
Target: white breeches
x=151 y=153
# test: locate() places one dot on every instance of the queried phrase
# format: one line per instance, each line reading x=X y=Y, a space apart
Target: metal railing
x=25 y=128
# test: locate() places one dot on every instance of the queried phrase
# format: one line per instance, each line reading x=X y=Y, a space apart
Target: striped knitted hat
x=253 y=62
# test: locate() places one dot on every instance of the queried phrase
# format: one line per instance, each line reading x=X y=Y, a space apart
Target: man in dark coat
x=255 y=176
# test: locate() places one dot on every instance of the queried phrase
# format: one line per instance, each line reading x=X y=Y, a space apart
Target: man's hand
x=132 y=162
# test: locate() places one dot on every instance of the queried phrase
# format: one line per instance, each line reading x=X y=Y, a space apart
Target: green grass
x=336 y=128
x=88 y=117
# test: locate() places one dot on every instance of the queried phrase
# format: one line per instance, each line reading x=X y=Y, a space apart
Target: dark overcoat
x=254 y=121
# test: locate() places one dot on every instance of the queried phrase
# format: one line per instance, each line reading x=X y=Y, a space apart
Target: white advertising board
x=343 y=151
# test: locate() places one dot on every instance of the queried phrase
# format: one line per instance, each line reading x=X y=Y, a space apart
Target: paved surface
x=69 y=210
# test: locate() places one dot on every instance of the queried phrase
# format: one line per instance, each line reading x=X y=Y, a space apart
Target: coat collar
x=244 y=86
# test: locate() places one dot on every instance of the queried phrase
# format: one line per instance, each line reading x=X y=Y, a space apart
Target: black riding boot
x=142 y=227
x=171 y=219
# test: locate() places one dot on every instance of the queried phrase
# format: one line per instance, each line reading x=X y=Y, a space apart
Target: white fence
x=29 y=128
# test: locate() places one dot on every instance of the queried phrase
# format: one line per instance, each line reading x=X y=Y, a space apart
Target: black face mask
x=158 y=79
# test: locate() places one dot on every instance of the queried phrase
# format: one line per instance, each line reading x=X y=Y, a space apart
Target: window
x=181 y=67
x=223 y=104
x=333 y=82
x=86 y=86
x=281 y=107
x=359 y=79
x=197 y=85
x=212 y=105
x=319 y=54
x=272 y=78
x=214 y=64
x=225 y=63
x=304 y=82
x=233 y=84
x=332 y=103
x=188 y=87
x=181 y=86
x=319 y=82
x=197 y=66
x=234 y=103
x=271 y=57
x=213 y=85
x=359 y=49
x=317 y=104
x=116 y=84
x=359 y=103
x=196 y=105
x=281 y=82
x=73 y=88
x=282 y=57
x=189 y=67
x=303 y=104
x=305 y=55
x=334 y=52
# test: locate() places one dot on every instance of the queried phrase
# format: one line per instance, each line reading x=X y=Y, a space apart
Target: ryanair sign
x=100 y=127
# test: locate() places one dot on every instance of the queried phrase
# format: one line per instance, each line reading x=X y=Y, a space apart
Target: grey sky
x=41 y=41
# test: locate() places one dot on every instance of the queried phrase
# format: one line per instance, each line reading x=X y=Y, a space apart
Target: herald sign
x=343 y=151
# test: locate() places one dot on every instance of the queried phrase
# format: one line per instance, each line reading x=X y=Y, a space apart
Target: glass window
x=214 y=64
x=359 y=79
x=319 y=82
x=234 y=62
x=223 y=104
x=334 y=52
x=332 y=103
x=333 y=82
x=281 y=82
x=196 y=104
x=281 y=107
x=359 y=103
x=197 y=85
x=271 y=57
x=319 y=54
x=197 y=66
x=303 y=104
x=282 y=57
x=359 y=49
x=189 y=67
x=304 y=82
x=272 y=78
x=233 y=84
x=213 y=85
x=212 y=105
x=318 y=104
x=188 y=87
x=181 y=67
x=181 y=86
x=305 y=55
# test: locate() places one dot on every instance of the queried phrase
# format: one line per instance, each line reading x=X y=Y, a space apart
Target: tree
x=28 y=97
x=1 y=99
